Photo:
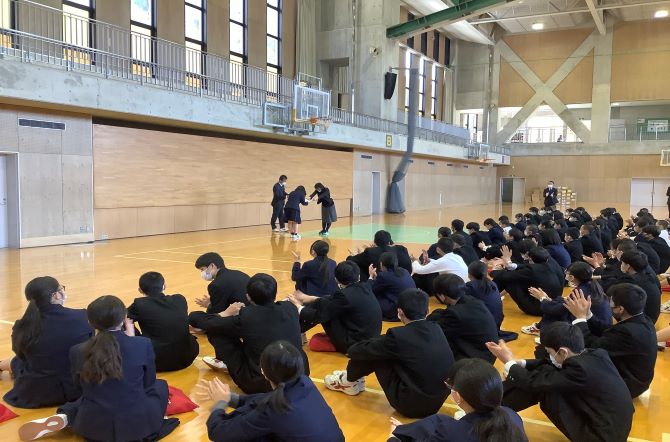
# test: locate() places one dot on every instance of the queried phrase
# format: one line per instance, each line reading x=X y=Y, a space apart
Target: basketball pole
x=395 y=201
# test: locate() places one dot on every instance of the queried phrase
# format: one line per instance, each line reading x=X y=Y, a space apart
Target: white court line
x=190 y=262
x=666 y=437
x=197 y=245
x=227 y=256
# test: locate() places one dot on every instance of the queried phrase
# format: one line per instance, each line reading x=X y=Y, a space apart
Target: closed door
x=641 y=192
x=660 y=199
x=376 y=193
x=3 y=201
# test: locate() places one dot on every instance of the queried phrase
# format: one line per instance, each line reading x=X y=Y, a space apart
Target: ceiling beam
x=571 y=11
x=597 y=16
x=462 y=10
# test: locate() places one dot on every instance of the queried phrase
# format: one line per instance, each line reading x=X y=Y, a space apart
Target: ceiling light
x=661 y=13
x=537 y=26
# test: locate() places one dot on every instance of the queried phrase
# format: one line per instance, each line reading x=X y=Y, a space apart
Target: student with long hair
x=42 y=339
x=480 y=286
x=315 y=277
x=387 y=284
x=328 y=212
x=551 y=241
x=121 y=398
x=292 y=210
x=382 y=243
x=477 y=388
x=164 y=319
x=293 y=411
x=496 y=234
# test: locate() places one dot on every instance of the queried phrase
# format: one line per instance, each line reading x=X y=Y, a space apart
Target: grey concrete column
x=490 y=119
x=373 y=17
x=602 y=80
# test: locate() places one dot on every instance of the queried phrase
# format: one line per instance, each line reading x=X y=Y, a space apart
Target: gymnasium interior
x=136 y=135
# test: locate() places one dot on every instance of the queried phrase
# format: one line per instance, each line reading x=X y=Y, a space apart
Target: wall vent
x=366 y=157
x=432 y=163
x=41 y=124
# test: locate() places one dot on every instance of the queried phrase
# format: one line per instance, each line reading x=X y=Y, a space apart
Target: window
x=424 y=43
x=422 y=85
x=142 y=33
x=433 y=92
x=436 y=45
x=77 y=29
x=408 y=64
x=238 y=29
x=6 y=22
x=195 y=31
x=410 y=41
x=273 y=47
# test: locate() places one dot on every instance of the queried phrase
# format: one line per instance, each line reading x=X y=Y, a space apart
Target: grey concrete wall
x=561 y=149
x=55 y=173
x=117 y=13
x=471 y=75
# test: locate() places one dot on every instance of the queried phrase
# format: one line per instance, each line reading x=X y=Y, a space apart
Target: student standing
x=328 y=212
x=240 y=335
x=121 y=398
x=579 y=389
x=294 y=410
x=477 y=389
x=410 y=362
x=292 y=210
x=42 y=339
x=278 y=198
x=315 y=277
x=164 y=319
x=550 y=195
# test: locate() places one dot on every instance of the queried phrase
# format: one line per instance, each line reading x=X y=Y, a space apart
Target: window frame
x=152 y=28
x=90 y=15
x=271 y=68
x=245 y=34
x=196 y=45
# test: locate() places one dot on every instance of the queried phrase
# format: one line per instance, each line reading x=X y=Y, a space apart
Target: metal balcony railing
x=37 y=33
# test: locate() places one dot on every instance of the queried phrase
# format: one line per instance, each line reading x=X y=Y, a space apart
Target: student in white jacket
x=424 y=270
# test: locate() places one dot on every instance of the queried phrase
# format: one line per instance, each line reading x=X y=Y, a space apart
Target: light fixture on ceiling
x=661 y=13
x=537 y=26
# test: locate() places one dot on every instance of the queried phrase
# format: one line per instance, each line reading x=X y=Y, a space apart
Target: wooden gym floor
x=113 y=267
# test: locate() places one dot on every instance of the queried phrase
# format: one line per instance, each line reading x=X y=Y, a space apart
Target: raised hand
x=506 y=253
x=214 y=390
x=537 y=293
x=232 y=310
x=203 y=302
x=578 y=304
x=372 y=271
x=500 y=351
x=296 y=255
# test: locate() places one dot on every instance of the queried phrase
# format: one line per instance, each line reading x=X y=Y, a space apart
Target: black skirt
x=292 y=215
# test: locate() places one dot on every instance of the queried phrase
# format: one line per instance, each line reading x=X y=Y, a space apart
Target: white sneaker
x=283 y=230
x=325 y=234
x=41 y=427
x=459 y=414
x=214 y=364
x=297 y=236
x=276 y=230
x=338 y=382
x=537 y=340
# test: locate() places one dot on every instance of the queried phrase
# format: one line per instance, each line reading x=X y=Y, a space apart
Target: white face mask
x=206 y=276
x=551 y=186
x=554 y=361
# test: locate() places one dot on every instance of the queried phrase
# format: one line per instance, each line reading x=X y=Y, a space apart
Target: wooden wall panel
x=140 y=168
x=544 y=53
x=595 y=178
x=641 y=60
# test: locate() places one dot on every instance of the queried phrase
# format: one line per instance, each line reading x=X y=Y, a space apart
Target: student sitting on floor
x=513 y=238
x=630 y=343
x=42 y=339
x=388 y=283
x=239 y=335
x=457 y=226
x=520 y=221
x=590 y=241
x=651 y=235
x=551 y=241
x=573 y=245
x=580 y=277
x=293 y=411
x=579 y=389
x=164 y=320
x=425 y=270
x=350 y=315
x=477 y=389
x=466 y=322
x=518 y=279
x=410 y=362
x=383 y=243
x=315 y=277
x=478 y=237
x=494 y=231
x=462 y=249
x=121 y=398
x=226 y=287
x=442 y=232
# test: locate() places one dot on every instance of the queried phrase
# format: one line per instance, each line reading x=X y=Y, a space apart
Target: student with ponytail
x=164 y=319
x=388 y=282
x=477 y=388
x=293 y=411
x=41 y=340
x=121 y=398
x=315 y=277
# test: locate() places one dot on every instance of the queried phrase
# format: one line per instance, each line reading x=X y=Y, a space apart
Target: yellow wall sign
x=389 y=140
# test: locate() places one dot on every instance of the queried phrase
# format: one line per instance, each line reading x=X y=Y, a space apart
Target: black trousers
x=245 y=373
x=403 y=396
x=335 y=330
x=519 y=293
x=278 y=214
x=425 y=282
